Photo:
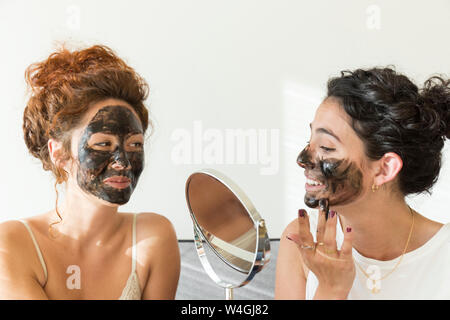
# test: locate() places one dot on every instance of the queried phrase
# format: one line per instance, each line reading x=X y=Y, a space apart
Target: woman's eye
x=326 y=149
x=103 y=144
x=136 y=144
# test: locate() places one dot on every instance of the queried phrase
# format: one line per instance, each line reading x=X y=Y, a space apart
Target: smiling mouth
x=118 y=182
x=312 y=185
x=312 y=182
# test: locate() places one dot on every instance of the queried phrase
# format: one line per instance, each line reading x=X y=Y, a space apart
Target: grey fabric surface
x=195 y=284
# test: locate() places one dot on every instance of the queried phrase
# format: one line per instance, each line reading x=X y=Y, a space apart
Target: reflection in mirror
x=223 y=220
x=227 y=224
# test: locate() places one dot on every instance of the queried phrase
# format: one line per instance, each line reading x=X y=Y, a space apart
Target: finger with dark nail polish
x=301 y=213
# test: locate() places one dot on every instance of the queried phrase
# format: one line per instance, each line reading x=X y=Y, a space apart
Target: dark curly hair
x=391 y=114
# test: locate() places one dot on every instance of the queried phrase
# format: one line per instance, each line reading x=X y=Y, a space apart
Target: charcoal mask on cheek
x=342 y=180
x=94 y=165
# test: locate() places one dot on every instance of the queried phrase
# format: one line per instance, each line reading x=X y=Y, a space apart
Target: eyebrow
x=127 y=136
x=326 y=131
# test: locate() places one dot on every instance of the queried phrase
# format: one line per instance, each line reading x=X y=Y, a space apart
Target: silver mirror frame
x=262 y=256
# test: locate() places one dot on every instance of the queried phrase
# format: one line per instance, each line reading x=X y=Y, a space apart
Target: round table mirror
x=230 y=236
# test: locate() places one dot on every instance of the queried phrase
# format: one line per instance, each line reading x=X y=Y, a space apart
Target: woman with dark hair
x=375 y=139
x=86 y=121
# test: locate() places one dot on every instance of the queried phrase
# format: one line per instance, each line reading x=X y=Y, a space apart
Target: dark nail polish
x=332 y=213
x=349 y=229
x=301 y=213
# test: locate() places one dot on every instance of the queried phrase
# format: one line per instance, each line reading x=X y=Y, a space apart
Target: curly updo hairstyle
x=391 y=114
x=62 y=88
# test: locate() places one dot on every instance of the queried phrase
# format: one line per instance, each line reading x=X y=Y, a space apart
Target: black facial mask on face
x=341 y=177
x=95 y=165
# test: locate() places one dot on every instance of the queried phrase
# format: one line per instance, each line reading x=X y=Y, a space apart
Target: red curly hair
x=64 y=86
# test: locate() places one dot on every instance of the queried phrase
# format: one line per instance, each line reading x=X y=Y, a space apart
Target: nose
x=120 y=160
x=304 y=159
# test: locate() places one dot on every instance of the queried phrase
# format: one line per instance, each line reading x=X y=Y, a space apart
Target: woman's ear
x=55 y=150
x=388 y=167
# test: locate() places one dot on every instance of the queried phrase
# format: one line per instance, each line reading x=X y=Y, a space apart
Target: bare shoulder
x=16 y=231
x=287 y=247
x=19 y=264
x=154 y=224
x=290 y=281
x=16 y=254
x=11 y=233
x=159 y=249
x=155 y=233
x=17 y=240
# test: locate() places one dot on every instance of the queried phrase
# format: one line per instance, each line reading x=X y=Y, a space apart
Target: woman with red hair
x=86 y=121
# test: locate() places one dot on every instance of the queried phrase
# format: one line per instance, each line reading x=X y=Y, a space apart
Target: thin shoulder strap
x=37 y=248
x=133 y=248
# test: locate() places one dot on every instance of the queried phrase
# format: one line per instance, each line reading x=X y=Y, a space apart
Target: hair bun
x=435 y=96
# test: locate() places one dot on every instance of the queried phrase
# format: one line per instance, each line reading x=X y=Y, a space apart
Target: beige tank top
x=131 y=291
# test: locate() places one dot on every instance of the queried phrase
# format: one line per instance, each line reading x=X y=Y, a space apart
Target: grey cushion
x=195 y=284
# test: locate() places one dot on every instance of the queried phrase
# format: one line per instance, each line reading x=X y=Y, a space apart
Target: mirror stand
x=229 y=293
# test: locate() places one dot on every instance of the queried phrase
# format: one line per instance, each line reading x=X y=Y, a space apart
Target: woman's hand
x=334 y=268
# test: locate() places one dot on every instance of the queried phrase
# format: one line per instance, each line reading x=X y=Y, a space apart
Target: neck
x=86 y=219
x=380 y=224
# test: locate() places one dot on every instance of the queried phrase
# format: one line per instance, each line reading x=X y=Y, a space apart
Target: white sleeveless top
x=424 y=273
x=131 y=291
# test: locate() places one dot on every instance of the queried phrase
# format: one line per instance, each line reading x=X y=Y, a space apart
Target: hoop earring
x=375 y=187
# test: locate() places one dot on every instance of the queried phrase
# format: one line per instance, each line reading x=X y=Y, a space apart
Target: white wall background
x=222 y=66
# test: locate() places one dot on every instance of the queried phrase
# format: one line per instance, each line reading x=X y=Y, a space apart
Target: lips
x=118 y=182
x=313 y=184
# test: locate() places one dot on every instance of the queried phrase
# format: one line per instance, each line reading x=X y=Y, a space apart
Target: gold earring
x=374 y=187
